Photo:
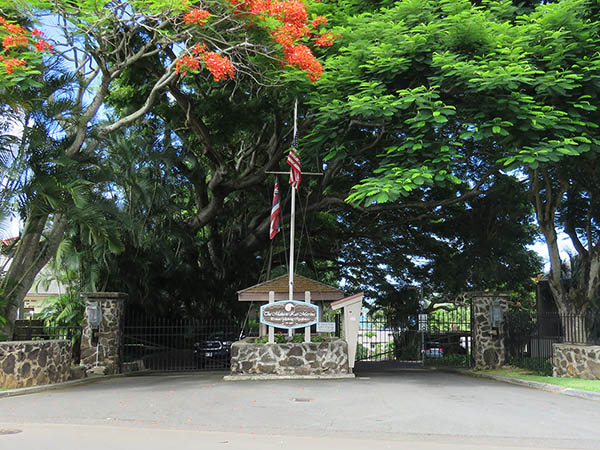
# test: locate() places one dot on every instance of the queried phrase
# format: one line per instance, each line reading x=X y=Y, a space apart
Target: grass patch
x=524 y=374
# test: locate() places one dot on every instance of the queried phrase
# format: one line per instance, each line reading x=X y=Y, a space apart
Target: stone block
x=293 y=361
x=594 y=366
x=296 y=350
x=77 y=372
x=266 y=369
x=97 y=370
x=8 y=365
x=25 y=370
x=290 y=358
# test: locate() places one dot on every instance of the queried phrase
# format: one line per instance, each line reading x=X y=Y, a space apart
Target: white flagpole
x=293 y=217
x=292 y=227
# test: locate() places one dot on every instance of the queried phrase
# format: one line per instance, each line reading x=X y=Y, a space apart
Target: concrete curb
x=67 y=384
x=588 y=395
x=52 y=387
x=287 y=377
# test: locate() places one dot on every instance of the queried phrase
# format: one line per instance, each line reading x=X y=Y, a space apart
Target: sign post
x=271 y=329
x=422 y=330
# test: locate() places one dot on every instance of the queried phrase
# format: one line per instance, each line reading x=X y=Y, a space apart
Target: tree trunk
x=32 y=254
x=574 y=292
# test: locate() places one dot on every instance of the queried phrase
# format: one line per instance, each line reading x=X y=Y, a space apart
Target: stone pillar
x=488 y=342
x=104 y=356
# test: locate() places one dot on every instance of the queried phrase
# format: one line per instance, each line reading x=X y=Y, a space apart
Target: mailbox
x=94 y=315
x=497 y=314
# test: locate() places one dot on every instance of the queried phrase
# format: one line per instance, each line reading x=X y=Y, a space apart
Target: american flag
x=293 y=160
x=275 y=212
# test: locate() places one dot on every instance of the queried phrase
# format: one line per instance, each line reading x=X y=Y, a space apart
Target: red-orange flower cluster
x=291 y=28
x=43 y=46
x=187 y=64
x=326 y=39
x=319 y=20
x=196 y=16
x=301 y=57
x=218 y=65
x=11 y=63
x=16 y=39
x=294 y=26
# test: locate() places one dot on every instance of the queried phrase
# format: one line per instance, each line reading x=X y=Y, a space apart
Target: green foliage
x=540 y=366
x=362 y=352
x=63 y=310
x=406 y=346
x=450 y=81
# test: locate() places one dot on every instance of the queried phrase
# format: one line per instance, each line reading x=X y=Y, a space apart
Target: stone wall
x=32 y=363
x=576 y=361
x=104 y=351
x=307 y=358
x=488 y=342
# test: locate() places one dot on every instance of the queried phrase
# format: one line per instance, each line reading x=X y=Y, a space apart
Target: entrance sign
x=422 y=322
x=326 y=327
x=289 y=314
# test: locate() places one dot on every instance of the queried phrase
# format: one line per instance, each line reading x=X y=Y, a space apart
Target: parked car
x=441 y=348
x=215 y=351
x=433 y=349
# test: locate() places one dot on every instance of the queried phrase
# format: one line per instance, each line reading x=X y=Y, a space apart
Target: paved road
x=395 y=409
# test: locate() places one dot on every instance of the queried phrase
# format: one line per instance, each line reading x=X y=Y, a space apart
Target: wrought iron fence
x=179 y=345
x=530 y=336
x=28 y=330
x=33 y=330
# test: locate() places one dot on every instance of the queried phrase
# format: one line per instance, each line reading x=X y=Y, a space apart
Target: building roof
x=318 y=291
x=9 y=241
x=345 y=301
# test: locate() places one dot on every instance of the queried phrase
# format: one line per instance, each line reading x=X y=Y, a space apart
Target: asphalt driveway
x=395 y=409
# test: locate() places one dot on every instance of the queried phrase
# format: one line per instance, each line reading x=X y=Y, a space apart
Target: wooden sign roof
x=318 y=291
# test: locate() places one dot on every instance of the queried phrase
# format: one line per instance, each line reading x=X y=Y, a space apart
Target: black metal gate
x=447 y=338
x=382 y=338
x=440 y=338
x=151 y=343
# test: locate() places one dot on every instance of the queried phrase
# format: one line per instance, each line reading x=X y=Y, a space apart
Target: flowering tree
x=20 y=54
x=176 y=45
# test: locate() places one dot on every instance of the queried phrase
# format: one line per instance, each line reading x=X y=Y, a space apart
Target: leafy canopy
x=448 y=83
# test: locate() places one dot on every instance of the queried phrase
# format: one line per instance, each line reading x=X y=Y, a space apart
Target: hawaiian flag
x=275 y=212
x=293 y=160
